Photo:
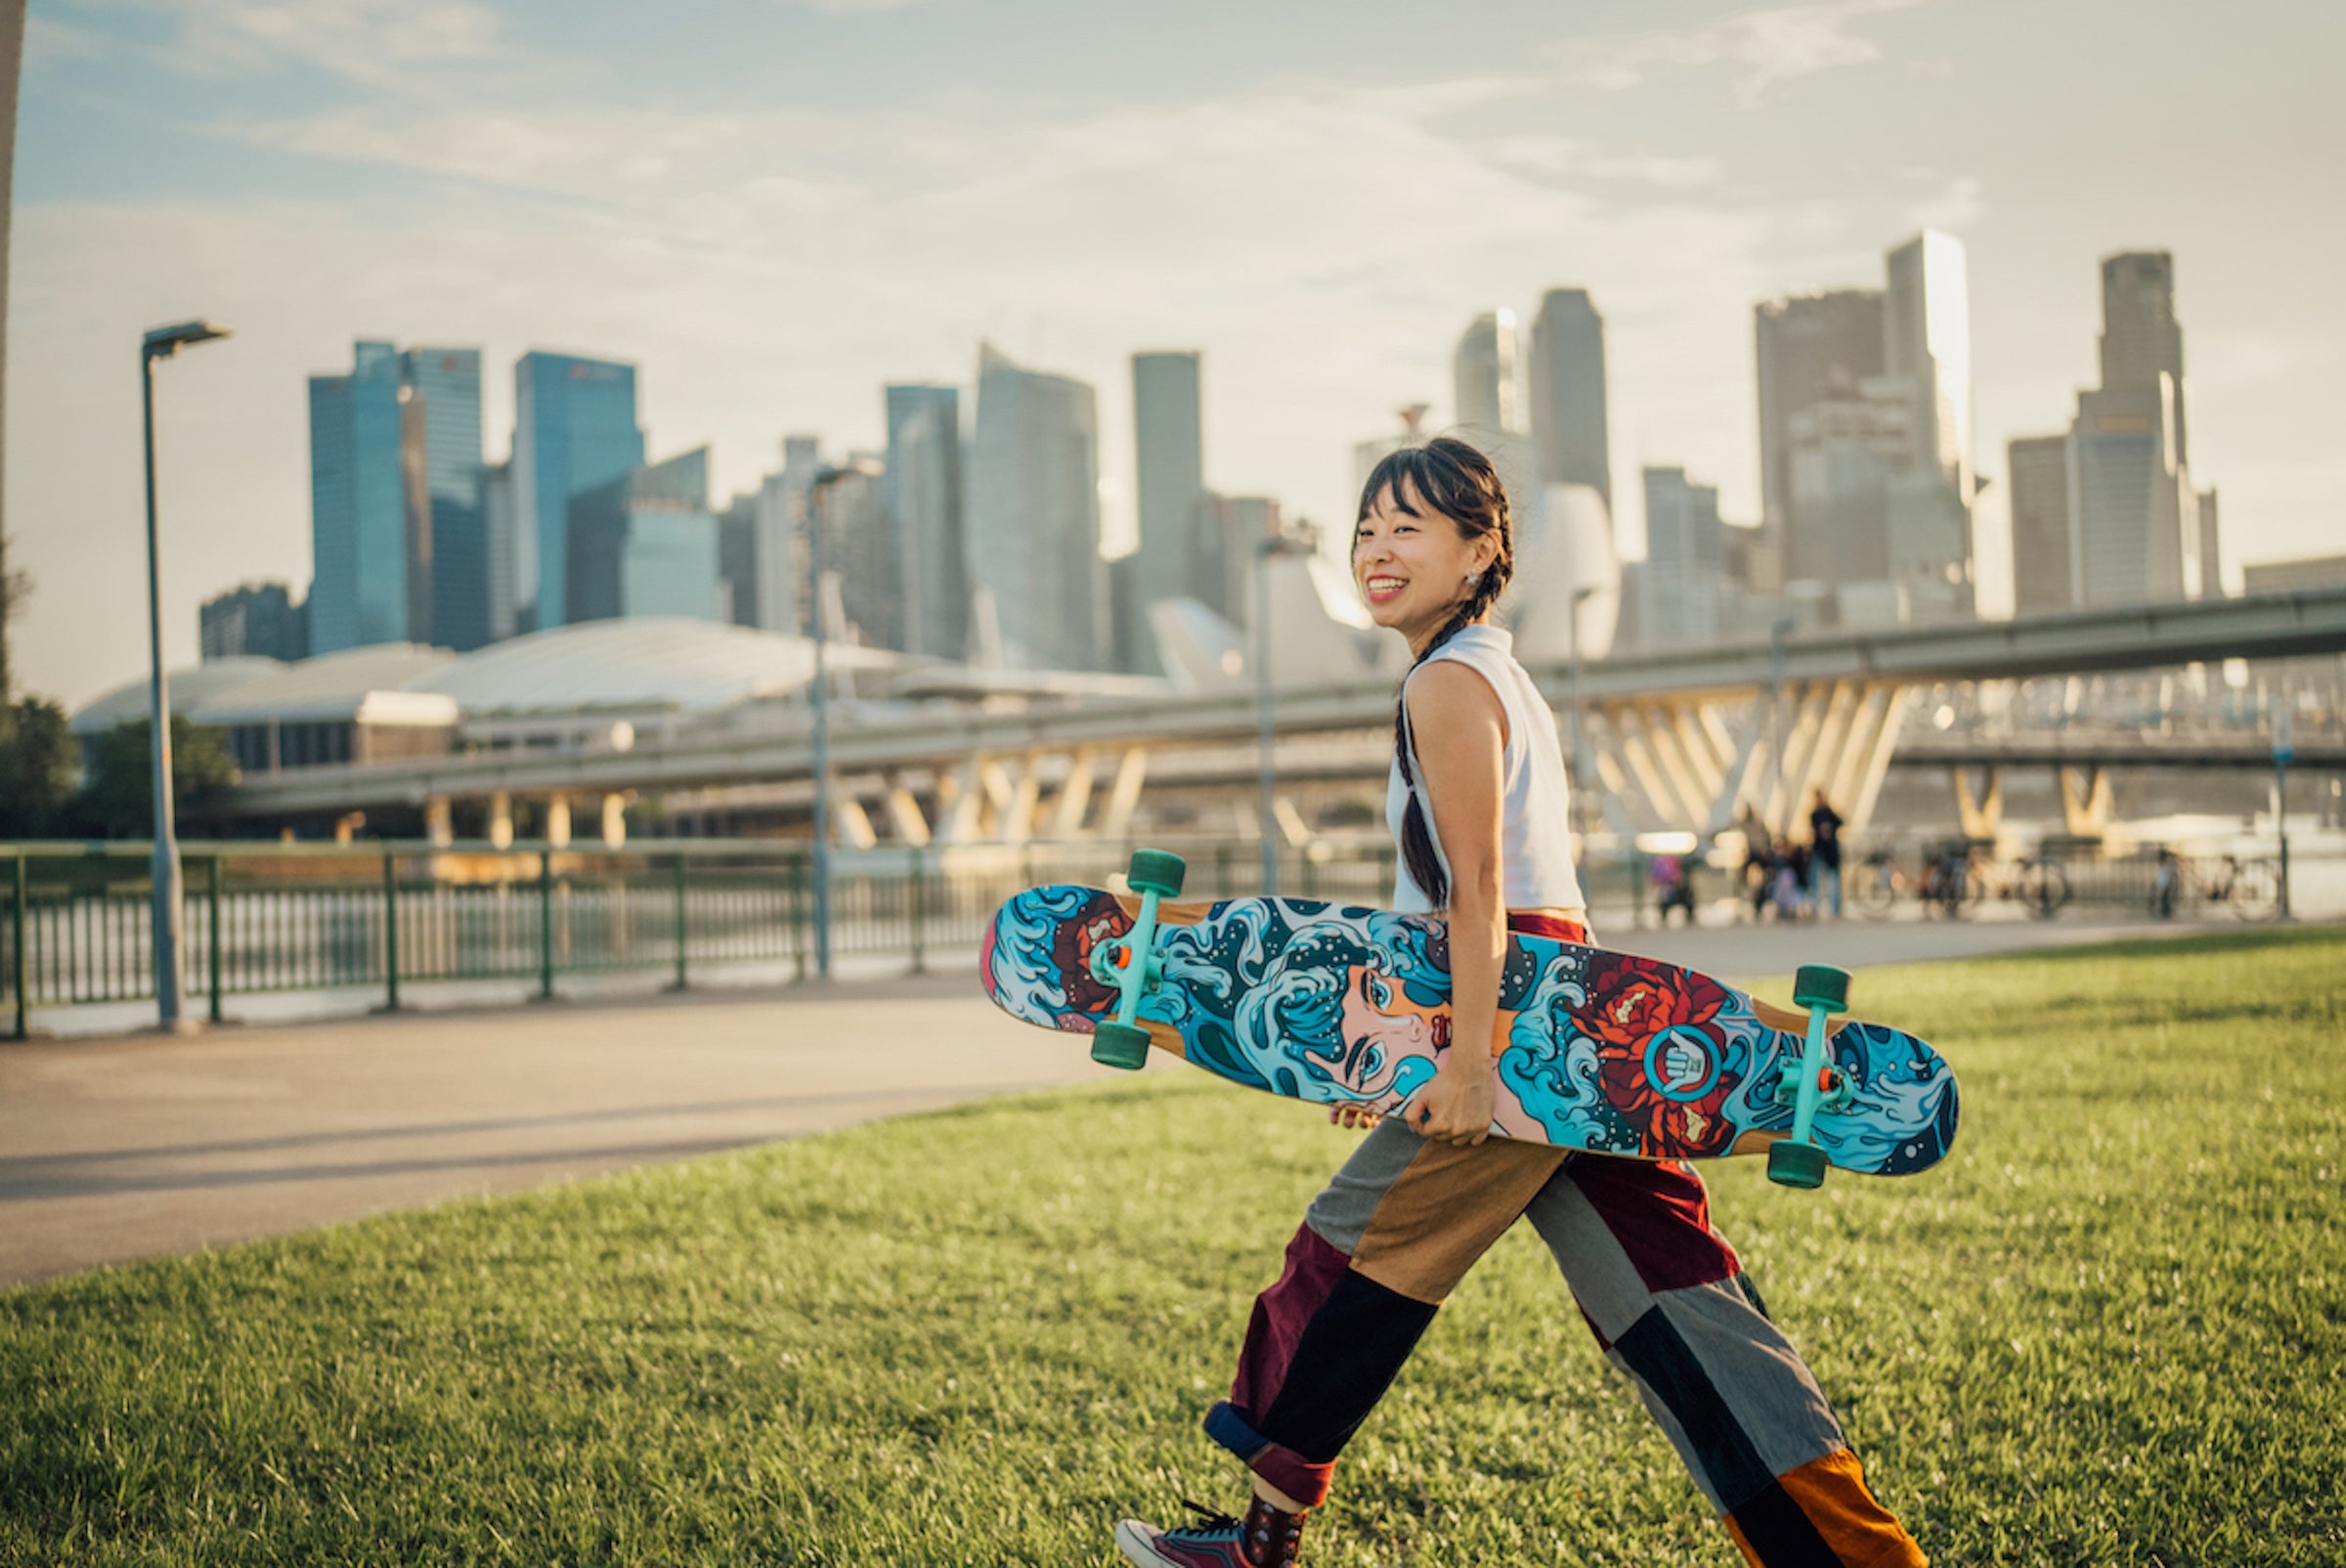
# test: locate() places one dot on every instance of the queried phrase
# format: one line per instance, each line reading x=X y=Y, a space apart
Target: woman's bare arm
x=1460 y=733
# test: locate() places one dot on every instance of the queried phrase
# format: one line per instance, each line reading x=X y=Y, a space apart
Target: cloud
x=1770 y=47
x=398 y=46
x=1323 y=244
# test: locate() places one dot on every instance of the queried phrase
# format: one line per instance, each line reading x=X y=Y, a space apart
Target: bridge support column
x=1980 y=811
x=1132 y=770
x=1873 y=764
x=615 y=820
x=501 y=820
x=2086 y=807
x=436 y=824
x=1074 y=797
x=557 y=821
x=905 y=816
x=851 y=825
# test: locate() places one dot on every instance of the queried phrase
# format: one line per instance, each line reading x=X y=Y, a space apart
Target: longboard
x=1595 y=1050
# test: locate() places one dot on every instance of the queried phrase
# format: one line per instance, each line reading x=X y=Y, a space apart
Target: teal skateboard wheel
x=1157 y=871
x=1121 y=1045
x=1791 y=1165
x=1821 y=986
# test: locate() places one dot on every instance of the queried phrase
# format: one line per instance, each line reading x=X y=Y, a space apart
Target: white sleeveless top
x=1535 y=869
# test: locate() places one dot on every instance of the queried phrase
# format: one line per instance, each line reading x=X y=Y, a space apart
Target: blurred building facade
x=1035 y=516
x=1571 y=440
x=645 y=544
x=575 y=429
x=2131 y=524
x=256 y=620
x=923 y=494
x=1181 y=553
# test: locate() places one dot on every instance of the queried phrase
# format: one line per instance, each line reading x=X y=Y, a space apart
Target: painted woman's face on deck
x=1381 y=1026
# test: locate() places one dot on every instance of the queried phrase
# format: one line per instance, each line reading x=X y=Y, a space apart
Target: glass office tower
x=359 y=523
x=442 y=388
x=574 y=429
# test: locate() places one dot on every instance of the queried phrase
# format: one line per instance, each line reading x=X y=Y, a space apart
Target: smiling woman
x=1477 y=799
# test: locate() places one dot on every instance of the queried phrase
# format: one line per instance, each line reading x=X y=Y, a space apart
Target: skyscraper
x=923 y=494
x=574 y=429
x=2134 y=510
x=1034 y=514
x=785 y=596
x=2141 y=339
x=1483 y=374
x=2036 y=478
x=1179 y=554
x=359 y=542
x=258 y=618
x=1809 y=348
x=644 y=544
x=442 y=426
x=500 y=549
x=1570 y=439
x=1682 y=582
x=860 y=553
x=1926 y=340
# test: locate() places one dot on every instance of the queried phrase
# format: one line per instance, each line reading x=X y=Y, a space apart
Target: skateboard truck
x=1130 y=964
x=1813 y=1085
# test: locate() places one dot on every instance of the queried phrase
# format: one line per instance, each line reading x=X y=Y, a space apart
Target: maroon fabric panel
x=1298 y=1477
x=1661 y=1215
x=1281 y=1313
x=1555 y=928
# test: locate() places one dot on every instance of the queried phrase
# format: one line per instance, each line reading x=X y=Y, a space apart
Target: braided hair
x=1452 y=480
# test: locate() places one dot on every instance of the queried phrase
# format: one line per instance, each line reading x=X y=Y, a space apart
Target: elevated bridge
x=1675 y=738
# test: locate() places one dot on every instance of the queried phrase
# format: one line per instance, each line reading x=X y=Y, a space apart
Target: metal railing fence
x=262 y=917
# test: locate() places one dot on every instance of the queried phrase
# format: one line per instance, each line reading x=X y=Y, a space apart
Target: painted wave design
x=1273 y=994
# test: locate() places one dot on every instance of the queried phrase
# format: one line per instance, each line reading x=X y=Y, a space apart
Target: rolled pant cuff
x=1284 y=1468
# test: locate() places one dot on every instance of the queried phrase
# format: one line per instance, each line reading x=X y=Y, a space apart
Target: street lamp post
x=829 y=475
x=1775 y=720
x=1266 y=742
x=160 y=344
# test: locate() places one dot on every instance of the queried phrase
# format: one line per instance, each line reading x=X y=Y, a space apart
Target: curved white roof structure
x=248 y=690
x=661 y=663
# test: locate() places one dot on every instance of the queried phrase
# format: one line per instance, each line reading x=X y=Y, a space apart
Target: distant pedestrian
x=1824 y=852
x=1673 y=887
x=1792 y=881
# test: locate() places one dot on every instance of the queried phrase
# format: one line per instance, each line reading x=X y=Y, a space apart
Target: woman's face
x=1412 y=569
x=1381 y=1026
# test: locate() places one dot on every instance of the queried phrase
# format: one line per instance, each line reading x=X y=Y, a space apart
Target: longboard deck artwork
x=1596 y=1050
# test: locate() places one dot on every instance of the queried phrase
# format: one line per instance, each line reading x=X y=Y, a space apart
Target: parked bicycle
x=2249 y=889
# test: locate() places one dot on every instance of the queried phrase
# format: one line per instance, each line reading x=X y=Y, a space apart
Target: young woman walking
x=1477 y=801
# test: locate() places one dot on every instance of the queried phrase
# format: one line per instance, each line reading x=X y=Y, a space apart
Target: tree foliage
x=118 y=799
x=37 y=765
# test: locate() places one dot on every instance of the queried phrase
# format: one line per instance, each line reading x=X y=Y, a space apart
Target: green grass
x=2111 y=1330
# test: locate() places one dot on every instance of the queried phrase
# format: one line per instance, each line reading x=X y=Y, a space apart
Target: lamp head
x=162 y=342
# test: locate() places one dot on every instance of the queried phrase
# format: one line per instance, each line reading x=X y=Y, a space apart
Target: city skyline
x=803 y=247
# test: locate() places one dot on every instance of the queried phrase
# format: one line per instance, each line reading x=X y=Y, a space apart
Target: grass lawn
x=2112 y=1329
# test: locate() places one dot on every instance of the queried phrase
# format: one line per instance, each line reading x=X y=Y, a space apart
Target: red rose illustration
x=1632 y=1001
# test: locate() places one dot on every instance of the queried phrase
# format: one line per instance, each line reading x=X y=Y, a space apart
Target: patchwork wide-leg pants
x=1404 y=1219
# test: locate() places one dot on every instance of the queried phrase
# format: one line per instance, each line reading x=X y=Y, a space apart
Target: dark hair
x=1456 y=482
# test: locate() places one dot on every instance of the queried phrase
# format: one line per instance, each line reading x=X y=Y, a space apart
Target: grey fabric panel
x=1341 y=1213
x=1756 y=1372
x=1599 y=1274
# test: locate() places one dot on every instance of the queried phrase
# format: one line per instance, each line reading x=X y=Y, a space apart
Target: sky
x=775 y=206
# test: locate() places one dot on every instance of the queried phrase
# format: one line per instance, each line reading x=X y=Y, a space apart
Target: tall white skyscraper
x=924 y=493
x=2141 y=339
x=1571 y=443
x=1179 y=552
x=778 y=532
x=1811 y=348
x=1034 y=514
x=1482 y=375
x=1927 y=338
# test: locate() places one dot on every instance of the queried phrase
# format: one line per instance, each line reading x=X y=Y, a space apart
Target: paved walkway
x=136 y=1146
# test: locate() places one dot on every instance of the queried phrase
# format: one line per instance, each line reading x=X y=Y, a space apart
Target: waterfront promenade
x=135 y=1146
